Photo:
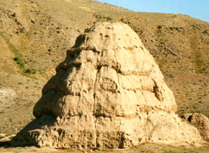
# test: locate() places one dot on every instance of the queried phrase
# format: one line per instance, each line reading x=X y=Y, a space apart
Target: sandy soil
x=144 y=148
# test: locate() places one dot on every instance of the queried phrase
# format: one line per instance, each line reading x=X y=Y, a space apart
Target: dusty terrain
x=35 y=35
x=144 y=148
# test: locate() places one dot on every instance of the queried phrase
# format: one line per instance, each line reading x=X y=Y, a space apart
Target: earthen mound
x=108 y=93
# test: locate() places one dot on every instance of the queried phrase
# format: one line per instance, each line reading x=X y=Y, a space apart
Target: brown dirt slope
x=35 y=35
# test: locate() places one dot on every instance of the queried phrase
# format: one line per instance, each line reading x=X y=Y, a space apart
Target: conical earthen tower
x=108 y=93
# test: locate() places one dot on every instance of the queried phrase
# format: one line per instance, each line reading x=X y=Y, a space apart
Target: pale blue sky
x=195 y=8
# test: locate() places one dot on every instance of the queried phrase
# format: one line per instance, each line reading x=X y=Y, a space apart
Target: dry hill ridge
x=35 y=36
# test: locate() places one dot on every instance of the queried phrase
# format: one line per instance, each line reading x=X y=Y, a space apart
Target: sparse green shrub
x=19 y=61
x=30 y=71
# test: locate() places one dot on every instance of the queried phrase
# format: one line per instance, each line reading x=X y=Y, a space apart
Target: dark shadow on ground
x=28 y=135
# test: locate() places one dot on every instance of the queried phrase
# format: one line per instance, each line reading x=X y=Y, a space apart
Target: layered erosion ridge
x=108 y=93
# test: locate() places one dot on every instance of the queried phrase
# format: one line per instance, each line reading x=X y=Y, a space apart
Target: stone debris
x=201 y=122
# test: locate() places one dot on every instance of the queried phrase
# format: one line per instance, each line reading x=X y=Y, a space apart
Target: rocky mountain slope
x=35 y=36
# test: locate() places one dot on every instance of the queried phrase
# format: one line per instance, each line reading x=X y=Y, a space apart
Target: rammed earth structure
x=108 y=93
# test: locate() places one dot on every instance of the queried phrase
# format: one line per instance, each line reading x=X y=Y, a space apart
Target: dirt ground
x=145 y=148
